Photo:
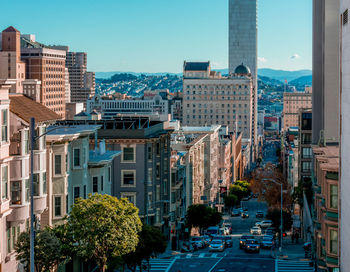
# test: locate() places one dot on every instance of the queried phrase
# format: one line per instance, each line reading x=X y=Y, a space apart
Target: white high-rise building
x=243 y=45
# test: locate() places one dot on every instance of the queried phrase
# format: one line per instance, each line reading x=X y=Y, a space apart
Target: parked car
x=244 y=215
x=197 y=241
x=259 y=214
x=252 y=245
x=255 y=230
x=264 y=224
x=267 y=241
x=235 y=212
x=243 y=240
x=217 y=245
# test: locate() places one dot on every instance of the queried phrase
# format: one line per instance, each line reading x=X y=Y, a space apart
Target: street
x=203 y=260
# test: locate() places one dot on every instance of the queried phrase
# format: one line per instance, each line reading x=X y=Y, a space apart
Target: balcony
x=39 y=204
x=19 y=214
x=331 y=260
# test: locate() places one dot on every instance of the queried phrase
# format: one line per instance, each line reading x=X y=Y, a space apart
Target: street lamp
x=33 y=139
x=281 y=228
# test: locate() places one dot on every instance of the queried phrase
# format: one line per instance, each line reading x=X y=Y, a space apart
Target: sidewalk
x=292 y=251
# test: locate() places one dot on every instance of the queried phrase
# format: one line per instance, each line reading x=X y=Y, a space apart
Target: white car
x=264 y=224
x=217 y=245
x=255 y=230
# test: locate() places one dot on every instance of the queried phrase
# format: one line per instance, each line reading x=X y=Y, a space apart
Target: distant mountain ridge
x=280 y=75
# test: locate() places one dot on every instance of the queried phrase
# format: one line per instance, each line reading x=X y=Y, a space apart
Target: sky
x=158 y=35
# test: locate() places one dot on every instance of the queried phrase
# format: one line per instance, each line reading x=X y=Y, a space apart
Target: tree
x=201 y=216
x=104 y=227
x=230 y=200
x=275 y=216
x=47 y=251
x=151 y=241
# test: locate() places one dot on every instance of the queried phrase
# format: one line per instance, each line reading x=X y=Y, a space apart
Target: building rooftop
x=10 y=29
x=25 y=108
x=200 y=129
x=328 y=157
x=58 y=132
x=196 y=66
x=96 y=158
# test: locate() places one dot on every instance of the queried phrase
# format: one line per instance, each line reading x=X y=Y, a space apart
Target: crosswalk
x=158 y=265
x=200 y=255
x=293 y=266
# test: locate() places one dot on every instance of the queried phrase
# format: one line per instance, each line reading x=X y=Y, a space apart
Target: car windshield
x=216 y=242
x=196 y=239
x=255 y=228
x=251 y=242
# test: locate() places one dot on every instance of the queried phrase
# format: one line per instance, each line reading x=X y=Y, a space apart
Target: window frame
x=123 y=171
x=93 y=185
x=332 y=195
x=127 y=194
x=60 y=169
x=4 y=125
x=74 y=189
x=54 y=206
x=4 y=193
x=80 y=164
x=133 y=146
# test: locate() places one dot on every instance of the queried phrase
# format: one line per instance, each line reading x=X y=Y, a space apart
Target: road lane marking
x=214 y=255
x=211 y=269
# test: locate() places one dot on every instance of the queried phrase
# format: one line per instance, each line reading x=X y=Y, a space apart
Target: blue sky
x=158 y=35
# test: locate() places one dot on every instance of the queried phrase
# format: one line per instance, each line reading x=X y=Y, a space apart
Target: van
x=212 y=231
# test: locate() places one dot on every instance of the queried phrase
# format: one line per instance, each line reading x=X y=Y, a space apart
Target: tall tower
x=243 y=47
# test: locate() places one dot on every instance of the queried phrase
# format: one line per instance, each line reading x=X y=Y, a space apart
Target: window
x=94 y=184
x=101 y=183
x=158 y=193
x=334 y=196
x=26 y=141
x=76 y=193
x=157 y=171
x=16 y=193
x=109 y=174
x=158 y=148
x=84 y=191
x=58 y=162
x=149 y=153
x=67 y=202
x=27 y=190
x=150 y=176
x=58 y=206
x=306 y=166
x=130 y=196
x=4 y=182
x=333 y=241
x=8 y=232
x=67 y=169
x=150 y=200
x=76 y=154
x=128 y=154
x=44 y=183
x=36 y=182
x=4 y=123
x=128 y=178
x=307 y=153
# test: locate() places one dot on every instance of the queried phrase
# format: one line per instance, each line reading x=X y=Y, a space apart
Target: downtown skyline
x=157 y=37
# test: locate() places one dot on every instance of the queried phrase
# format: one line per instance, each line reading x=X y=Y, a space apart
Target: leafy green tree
x=151 y=241
x=201 y=216
x=47 y=251
x=104 y=227
x=230 y=201
x=275 y=216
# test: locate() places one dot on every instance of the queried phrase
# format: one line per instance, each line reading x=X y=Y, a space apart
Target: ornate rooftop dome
x=242 y=70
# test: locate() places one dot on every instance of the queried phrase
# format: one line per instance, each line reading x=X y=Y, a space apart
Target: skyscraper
x=243 y=37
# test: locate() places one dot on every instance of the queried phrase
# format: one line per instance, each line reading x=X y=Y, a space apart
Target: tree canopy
x=151 y=241
x=201 y=216
x=104 y=227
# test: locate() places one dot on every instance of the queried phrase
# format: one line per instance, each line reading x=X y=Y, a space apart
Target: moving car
x=243 y=240
x=228 y=241
x=264 y=224
x=252 y=245
x=236 y=212
x=244 y=215
x=217 y=245
x=267 y=241
x=197 y=241
x=206 y=239
x=259 y=214
x=255 y=230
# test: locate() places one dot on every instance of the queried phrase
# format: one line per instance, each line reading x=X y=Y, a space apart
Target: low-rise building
x=326 y=214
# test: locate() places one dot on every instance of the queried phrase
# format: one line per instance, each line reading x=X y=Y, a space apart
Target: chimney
x=102 y=147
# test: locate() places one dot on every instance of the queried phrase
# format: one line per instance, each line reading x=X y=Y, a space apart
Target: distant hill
x=304 y=80
x=280 y=75
x=283 y=75
x=269 y=81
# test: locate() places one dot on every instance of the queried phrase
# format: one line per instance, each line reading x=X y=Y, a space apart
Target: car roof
x=217 y=240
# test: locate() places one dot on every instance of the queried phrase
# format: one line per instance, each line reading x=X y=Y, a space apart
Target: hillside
x=301 y=81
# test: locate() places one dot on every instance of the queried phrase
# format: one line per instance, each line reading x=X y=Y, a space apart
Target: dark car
x=236 y=212
x=252 y=245
x=244 y=215
x=228 y=241
x=259 y=214
x=267 y=241
x=243 y=240
x=223 y=238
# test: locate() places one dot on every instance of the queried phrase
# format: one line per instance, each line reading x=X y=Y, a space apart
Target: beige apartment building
x=47 y=65
x=292 y=102
x=211 y=99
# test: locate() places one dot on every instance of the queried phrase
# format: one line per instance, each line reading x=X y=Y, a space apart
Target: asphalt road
x=232 y=259
x=269 y=152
